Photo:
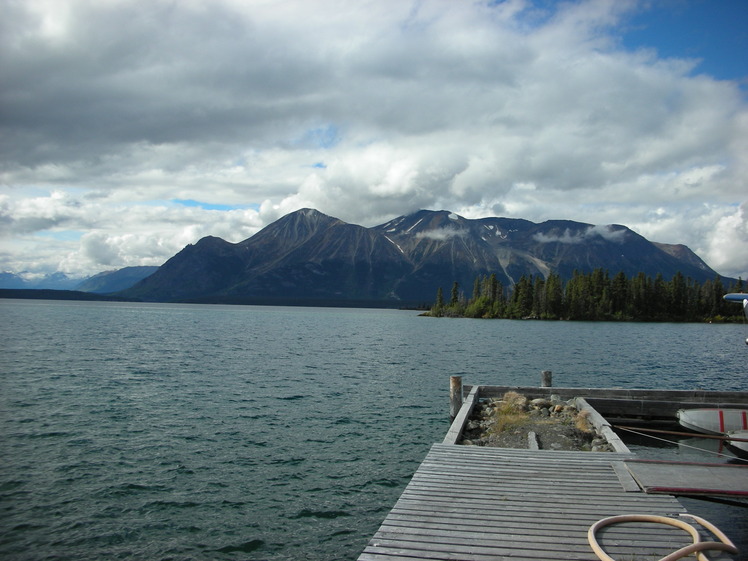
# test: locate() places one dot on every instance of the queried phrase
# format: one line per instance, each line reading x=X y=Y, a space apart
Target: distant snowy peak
x=53 y=281
x=423 y=221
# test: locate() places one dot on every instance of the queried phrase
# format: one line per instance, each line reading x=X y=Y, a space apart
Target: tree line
x=594 y=296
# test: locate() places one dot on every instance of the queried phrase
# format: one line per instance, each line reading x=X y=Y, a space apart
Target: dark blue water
x=148 y=431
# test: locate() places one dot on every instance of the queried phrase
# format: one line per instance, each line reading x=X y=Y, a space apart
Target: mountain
x=114 y=281
x=309 y=257
x=53 y=281
x=683 y=253
x=11 y=280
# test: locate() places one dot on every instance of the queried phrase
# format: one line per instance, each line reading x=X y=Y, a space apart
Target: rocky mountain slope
x=114 y=281
x=307 y=256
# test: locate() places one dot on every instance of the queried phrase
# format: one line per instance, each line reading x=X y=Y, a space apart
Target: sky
x=131 y=128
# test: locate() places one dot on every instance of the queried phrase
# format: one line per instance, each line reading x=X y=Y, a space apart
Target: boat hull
x=713 y=421
x=739 y=440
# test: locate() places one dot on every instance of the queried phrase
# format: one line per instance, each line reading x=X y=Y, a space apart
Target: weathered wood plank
x=544 y=509
x=527 y=548
x=684 y=478
x=502 y=454
x=475 y=553
x=642 y=532
x=601 y=425
x=507 y=495
x=458 y=425
x=625 y=478
x=536 y=541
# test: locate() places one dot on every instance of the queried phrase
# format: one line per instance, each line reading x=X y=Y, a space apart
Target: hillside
x=114 y=281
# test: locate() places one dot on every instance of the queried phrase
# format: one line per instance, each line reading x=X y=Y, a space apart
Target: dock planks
x=482 y=504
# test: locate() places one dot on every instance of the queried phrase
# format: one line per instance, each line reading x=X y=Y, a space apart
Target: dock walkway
x=479 y=504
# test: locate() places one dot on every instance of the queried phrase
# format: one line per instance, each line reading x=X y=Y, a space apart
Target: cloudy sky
x=130 y=128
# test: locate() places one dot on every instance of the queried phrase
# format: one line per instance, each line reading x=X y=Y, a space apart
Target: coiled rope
x=697 y=546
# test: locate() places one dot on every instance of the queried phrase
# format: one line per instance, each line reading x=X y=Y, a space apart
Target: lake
x=196 y=432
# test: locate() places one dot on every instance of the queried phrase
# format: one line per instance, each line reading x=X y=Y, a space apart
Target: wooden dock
x=473 y=503
x=469 y=503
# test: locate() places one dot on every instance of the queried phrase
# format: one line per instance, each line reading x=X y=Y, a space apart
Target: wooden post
x=455 y=396
x=546 y=379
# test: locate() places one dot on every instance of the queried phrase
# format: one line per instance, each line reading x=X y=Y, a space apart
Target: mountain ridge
x=115 y=280
x=308 y=256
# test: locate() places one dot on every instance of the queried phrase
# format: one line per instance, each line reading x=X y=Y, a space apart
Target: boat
x=739 y=298
x=713 y=420
x=738 y=442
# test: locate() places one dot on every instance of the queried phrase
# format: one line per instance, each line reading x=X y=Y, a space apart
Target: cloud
x=442 y=234
x=364 y=110
x=608 y=233
x=117 y=234
x=727 y=243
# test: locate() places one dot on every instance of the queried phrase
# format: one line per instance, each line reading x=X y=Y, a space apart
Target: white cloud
x=726 y=246
x=606 y=232
x=442 y=234
x=117 y=234
x=364 y=110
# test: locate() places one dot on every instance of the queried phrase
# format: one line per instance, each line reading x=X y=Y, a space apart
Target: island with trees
x=594 y=296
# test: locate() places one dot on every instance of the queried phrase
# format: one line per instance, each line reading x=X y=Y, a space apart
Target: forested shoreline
x=594 y=296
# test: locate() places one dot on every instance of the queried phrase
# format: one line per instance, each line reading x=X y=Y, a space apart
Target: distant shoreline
x=50 y=294
x=76 y=295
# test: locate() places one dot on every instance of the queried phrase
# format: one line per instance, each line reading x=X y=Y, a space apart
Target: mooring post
x=455 y=396
x=546 y=379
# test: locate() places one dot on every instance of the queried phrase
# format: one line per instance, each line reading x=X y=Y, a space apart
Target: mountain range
x=53 y=281
x=101 y=283
x=309 y=257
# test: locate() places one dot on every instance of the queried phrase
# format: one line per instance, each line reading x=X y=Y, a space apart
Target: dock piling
x=546 y=379
x=455 y=396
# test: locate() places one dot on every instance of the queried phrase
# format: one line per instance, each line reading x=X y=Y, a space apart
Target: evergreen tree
x=477 y=288
x=455 y=296
x=538 y=298
x=639 y=297
x=554 y=297
x=659 y=297
x=619 y=290
x=677 y=301
x=438 y=308
x=717 y=302
x=494 y=288
x=577 y=296
x=521 y=303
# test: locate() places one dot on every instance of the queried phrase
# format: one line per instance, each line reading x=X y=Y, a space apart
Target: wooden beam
x=602 y=426
x=458 y=425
